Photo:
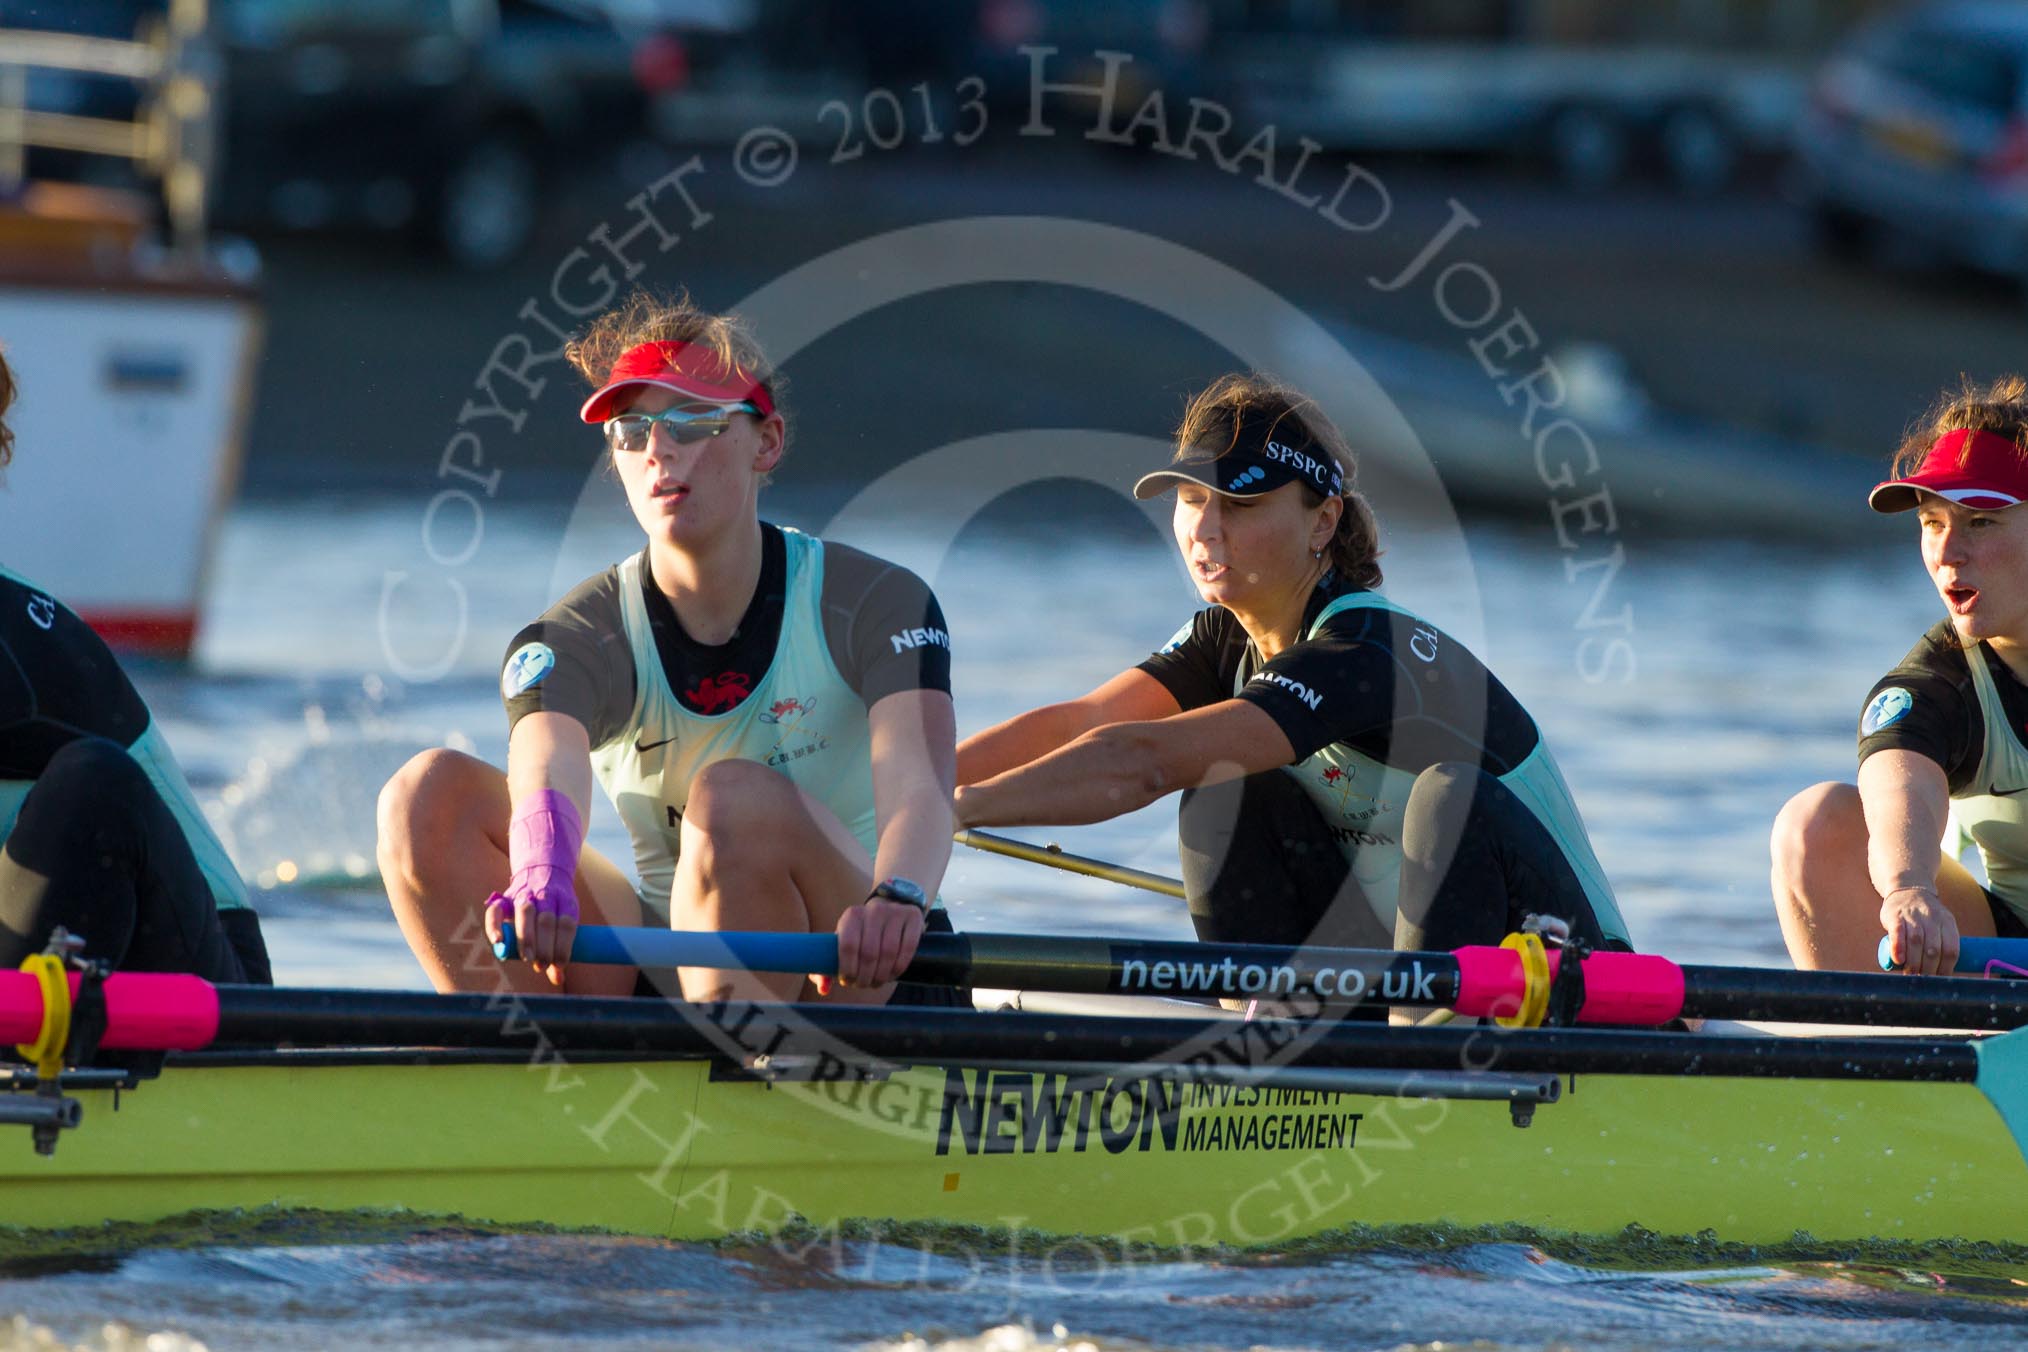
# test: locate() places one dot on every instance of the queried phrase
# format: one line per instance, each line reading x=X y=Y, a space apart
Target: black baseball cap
x=1265 y=453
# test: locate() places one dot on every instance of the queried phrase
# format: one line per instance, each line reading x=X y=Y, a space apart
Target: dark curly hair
x=6 y=402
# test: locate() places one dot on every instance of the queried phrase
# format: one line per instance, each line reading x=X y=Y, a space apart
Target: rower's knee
x=737 y=800
x=91 y=798
x=737 y=823
x=95 y=778
x=98 y=763
x=432 y=807
x=1448 y=788
x=1821 y=822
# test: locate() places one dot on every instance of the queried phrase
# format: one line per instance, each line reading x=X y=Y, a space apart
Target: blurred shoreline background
x=1630 y=170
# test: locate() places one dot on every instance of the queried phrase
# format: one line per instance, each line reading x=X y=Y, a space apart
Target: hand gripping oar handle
x=1974 y=955
x=1476 y=982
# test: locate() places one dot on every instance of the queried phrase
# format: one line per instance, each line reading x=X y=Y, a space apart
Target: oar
x=1478 y=982
x=287 y=874
x=1474 y=981
x=1054 y=856
x=1974 y=955
x=755 y=951
x=165 y=1012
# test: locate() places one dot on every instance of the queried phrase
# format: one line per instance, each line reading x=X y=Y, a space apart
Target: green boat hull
x=666 y=1148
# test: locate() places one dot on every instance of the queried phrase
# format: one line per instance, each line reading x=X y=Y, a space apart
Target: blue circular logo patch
x=526 y=668
x=1889 y=707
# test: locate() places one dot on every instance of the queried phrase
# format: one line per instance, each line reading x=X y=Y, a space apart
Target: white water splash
x=1002 y=1338
x=20 y=1335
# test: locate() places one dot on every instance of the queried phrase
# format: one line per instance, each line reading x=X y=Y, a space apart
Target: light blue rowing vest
x=801 y=719
x=1997 y=822
x=1364 y=803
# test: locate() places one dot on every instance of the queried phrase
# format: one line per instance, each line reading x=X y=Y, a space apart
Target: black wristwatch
x=900 y=889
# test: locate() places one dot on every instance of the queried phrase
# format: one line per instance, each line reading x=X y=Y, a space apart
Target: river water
x=331 y=653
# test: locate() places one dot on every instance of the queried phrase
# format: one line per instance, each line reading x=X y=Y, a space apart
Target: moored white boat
x=134 y=355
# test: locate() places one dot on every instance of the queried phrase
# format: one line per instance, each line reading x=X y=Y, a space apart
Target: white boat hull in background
x=129 y=425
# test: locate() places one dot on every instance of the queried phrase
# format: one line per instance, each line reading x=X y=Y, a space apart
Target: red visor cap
x=683 y=367
x=1980 y=470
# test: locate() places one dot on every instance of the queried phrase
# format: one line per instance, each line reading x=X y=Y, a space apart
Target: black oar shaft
x=1348 y=975
x=1618 y=987
x=559 y=1025
x=1176 y=968
x=1854 y=997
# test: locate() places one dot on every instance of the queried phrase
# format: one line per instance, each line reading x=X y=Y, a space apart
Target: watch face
x=901 y=889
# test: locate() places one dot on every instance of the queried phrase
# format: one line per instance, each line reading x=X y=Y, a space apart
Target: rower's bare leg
x=1829 y=910
x=443 y=851
x=760 y=854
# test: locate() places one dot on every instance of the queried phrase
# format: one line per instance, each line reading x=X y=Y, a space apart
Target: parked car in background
x=1918 y=126
x=1169 y=42
x=1592 y=112
x=779 y=61
x=447 y=119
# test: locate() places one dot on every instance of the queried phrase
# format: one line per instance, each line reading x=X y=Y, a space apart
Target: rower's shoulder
x=53 y=662
x=1936 y=653
x=596 y=600
x=29 y=612
x=851 y=574
x=839 y=554
x=1370 y=620
x=13 y=584
x=1213 y=625
x=1927 y=701
x=588 y=622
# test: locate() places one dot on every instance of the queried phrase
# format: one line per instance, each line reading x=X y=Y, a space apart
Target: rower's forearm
x=1101 y=775
x=1016 y=742
x=572 y=781
x=915 y=842
x=1904 y=831
x=549 y=751
x=1904 y=858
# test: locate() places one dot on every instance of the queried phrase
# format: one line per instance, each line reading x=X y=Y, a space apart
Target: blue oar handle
x=813 y=954
x=1973 y=954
